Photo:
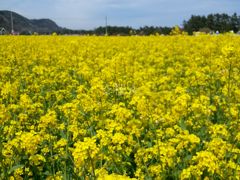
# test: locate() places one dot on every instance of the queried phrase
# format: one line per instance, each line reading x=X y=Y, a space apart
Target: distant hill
x=24 y=25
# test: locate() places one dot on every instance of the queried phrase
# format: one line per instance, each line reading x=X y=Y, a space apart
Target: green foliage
x=213 y=22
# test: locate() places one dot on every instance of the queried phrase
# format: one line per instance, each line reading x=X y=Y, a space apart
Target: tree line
x=120 y=30
x=211 y=23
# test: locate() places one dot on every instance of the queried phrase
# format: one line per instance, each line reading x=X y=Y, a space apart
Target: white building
x=2 y=31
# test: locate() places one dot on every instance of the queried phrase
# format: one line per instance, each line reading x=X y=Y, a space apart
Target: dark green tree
x=215 y=22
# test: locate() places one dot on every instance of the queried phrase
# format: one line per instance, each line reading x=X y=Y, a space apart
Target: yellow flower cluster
x=154 y=107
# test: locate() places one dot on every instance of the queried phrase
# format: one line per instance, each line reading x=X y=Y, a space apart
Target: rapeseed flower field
x=120 y=107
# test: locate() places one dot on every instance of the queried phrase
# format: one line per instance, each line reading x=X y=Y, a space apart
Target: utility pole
x=106 y=24
x=12 y=23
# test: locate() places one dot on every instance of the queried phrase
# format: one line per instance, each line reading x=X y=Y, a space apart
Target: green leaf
x=15 y=168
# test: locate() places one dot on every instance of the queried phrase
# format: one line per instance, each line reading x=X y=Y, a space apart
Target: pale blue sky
x=88 y=14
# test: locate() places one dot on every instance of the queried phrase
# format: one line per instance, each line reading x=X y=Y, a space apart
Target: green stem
x=92 y=164
x=53 y=166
